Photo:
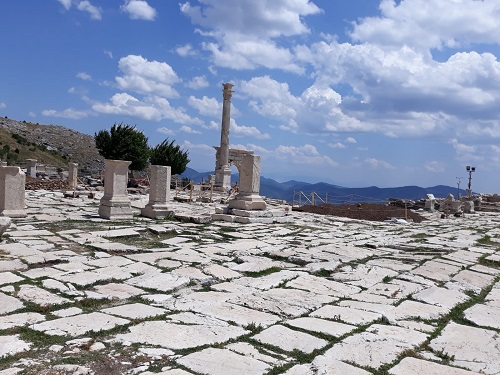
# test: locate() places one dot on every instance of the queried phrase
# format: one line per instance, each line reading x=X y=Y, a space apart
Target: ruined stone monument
x=115 y=204
x=222 y=166
x=159 y=193
x=12 y=181
x=31 y=167
x=248 y=197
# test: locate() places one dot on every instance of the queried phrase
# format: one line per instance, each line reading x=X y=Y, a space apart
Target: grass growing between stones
x=265 y=272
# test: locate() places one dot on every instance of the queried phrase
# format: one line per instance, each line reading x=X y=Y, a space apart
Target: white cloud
x=337 y=145
x=198 y=82
x=421 y=23
x=69 y=113
x=461 y=148
x=31 y=114
x=65 y=3
x=147 y=77
x=139 y=10
x=108 y=53
x=152 y=108
x=247 y=131
x=189 y=130
x=351 y=140
x=94 y=12
x=378 y=164
x=185 y=50
x=3 y=105
x=166 y=131
x=248 y=32
x=435 y=167
x=212 y=125
x=202 y=147
x=84 y=76
x=206 y=106
x=306 y=155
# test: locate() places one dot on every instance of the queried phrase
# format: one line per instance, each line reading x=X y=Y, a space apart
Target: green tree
x=124 y=142
x=166 y=153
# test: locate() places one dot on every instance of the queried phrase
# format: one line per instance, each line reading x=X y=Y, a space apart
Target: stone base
x=231 y=215
x=116 y=210
x=14 y=213
x=248 y=202
x=156 y=211
x=4 y=224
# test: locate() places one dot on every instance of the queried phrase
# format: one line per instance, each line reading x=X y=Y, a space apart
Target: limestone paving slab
x=19 y=320
x=9 y=278
x=472 y=348
x=164 y=282
x=9 y=304
x=213 y=361
x=323 y=365
x=435 y=270
x=248 y=350
x=484 y=315
x=179 y=336
x=10 y=345
x=118 y=291
x=415 y=366
x=363 y=275
x=289 y=340
x=346 y=314
x=134 y=311
x=441 y=297
x=470 y=280
x=412 y=309
x=77 y=325
x=378 y=345
x=320 y=325
x=86 y=278
x=321 y=285
x=221 y=272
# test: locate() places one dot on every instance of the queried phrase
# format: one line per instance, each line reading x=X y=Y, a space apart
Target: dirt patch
x=363 y=211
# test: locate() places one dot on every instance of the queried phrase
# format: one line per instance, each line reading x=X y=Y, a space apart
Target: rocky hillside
x=71 y=144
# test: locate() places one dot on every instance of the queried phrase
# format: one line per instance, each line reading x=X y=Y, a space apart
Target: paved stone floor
x=321 y=295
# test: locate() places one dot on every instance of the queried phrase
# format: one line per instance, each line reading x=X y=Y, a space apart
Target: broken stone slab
x=415 y=366
x=377 y=346
x=118 y=291
x=19 y=320
x=179 y=336
x=484 y=315
x=77 y=325
x=435 y=270
x=321 y=285
x=134 y=311
x=289 y=340
x=472 y=348
x=412 y=309
x=212 y=361
x=9 y=304
x=250 y=351
x=9 y=278
x=444 y=297
x=12 y=265
x=220 y=272
x=11 y=345
x=470 y=280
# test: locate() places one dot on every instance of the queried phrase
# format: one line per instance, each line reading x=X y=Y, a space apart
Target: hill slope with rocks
x=72 y=145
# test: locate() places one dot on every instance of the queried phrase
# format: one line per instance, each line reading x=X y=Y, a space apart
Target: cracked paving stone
x=290 y=340
x=135 y=311
x=322 y=365
x=415 y=366
x=39 y=296
x=164 y=282
x=9 y=304
x=10 y=345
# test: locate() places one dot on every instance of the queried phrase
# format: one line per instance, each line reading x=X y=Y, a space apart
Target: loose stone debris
x=81 y=294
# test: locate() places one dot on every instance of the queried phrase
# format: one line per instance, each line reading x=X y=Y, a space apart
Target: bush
x=169 y=154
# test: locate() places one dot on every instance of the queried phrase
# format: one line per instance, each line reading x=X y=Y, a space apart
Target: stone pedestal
x=31 y=167
x=115 y=204
x=12 y=203
x=430 y=204
x=159 y=193
x=72 y=175
x=469 y=207
x=248 y=197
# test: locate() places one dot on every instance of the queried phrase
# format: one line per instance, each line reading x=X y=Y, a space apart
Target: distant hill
x=335 y=194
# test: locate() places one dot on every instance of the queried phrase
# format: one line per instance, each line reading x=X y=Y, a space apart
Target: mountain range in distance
x=298 y=191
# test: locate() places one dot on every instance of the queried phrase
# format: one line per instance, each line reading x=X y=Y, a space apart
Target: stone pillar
x=159 y=193
x=223 y=173
x=248 y=197
x=115 y=204
x=12 y=203
x=72 y=175
x=31 y=167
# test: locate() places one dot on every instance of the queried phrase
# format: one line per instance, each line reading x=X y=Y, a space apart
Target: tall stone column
x=248 y=197
x=115 y=204
x=159 y=193
x=12 y=191
x=72 y=175
x=223 y=173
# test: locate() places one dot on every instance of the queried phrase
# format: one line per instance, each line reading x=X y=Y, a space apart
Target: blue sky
x=354 y=93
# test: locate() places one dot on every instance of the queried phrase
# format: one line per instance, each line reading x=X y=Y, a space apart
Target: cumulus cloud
x=84 y=76
x=69 y=113
x=185 y=50
x=199 y=82
x=165 y=131
x=65 y=3
x=3 y=105
x=94 y=12
x=139 y=10
x=351 y=140
x=153 y=108
x=189 y=130
x=378 y=164
x=337 y=145
x=435 y=167
x=306 y=155
x=108 y=53
x=147 y=77
x=206 y=106
x=247 y=33
x=198 y=146
x=247 y=131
